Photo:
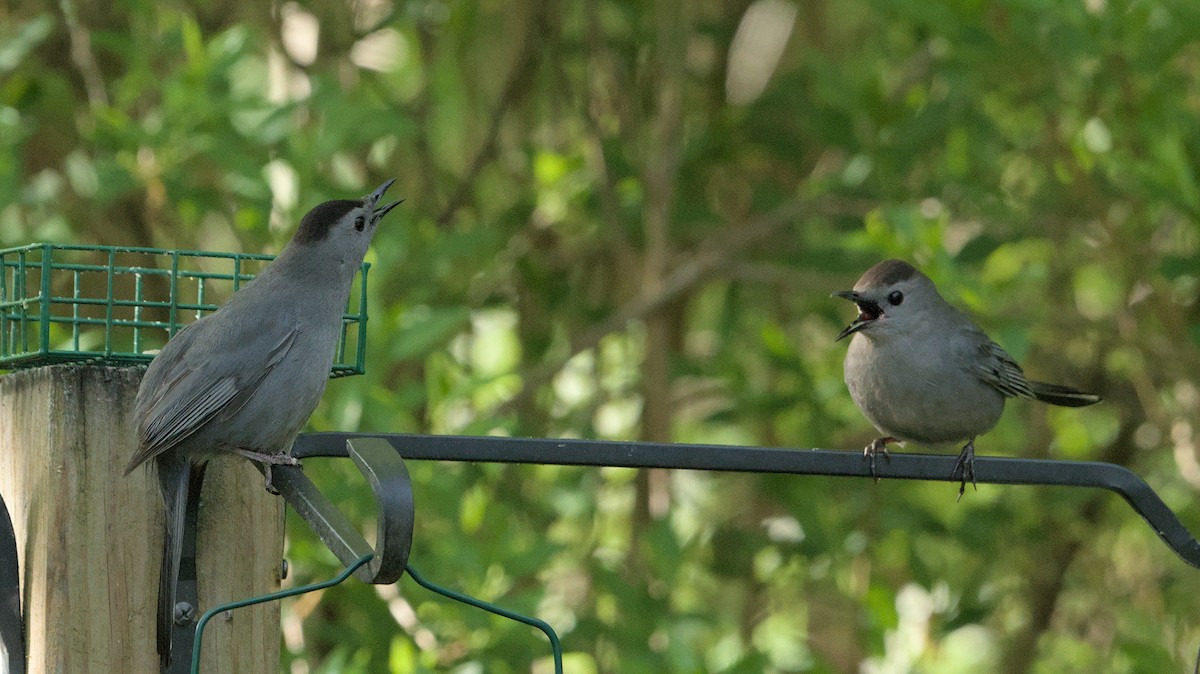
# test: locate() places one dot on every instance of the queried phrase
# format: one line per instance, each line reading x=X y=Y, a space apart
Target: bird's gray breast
x=921 y=388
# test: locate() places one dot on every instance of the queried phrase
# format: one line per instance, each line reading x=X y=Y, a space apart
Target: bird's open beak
x=868 y=312
x=374 y=197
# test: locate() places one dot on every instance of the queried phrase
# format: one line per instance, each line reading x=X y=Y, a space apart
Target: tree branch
x=81 y=54
x=1046 y=586
x=609 y=203
x=514 y=88
x=711 y=261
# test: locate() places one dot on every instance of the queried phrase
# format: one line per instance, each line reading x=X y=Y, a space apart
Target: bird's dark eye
x=896 y=297
x=359 y=223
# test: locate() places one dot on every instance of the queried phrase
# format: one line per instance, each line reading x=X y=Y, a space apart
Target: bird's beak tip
x=380 y=212
x=849 y=330
x=858 y=323
x=378 y=193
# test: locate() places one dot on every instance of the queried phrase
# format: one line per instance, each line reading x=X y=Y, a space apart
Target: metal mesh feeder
x=119 y=305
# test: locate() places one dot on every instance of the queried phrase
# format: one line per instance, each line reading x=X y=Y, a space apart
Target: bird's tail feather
x=177 y=478
x=1063 y=396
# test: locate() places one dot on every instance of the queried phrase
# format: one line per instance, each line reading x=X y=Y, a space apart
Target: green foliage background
x=598 y=243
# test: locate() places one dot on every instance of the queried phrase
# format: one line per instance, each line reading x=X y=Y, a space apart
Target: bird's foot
x=878 y=446
x=279 y=460
x=267 y=461
x=964 y=468
x=267 y=483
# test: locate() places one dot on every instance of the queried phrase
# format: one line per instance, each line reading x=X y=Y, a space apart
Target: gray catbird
x=245 y=378
x=921 y=371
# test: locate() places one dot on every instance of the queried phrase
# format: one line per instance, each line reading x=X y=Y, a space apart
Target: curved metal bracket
x=12 y=626
x=385 y=472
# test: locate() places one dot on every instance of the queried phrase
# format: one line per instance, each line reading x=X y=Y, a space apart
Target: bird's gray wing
x=210 y=367
x=998 y=369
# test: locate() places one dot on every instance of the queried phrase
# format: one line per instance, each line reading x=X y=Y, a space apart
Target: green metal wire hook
x=555 y=645
x=265 y=598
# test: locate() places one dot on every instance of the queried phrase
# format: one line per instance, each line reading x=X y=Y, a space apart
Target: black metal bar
x=901 y=466
x=12 y=626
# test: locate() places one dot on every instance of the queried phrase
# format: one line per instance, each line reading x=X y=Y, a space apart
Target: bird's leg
x=878 y=446
x=964 y=468
x=267 y=461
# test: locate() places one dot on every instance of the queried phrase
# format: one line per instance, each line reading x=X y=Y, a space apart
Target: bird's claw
x=877 y=446
x=964 y=469
x=267 y=483
x=267 y=461
x=277 y=460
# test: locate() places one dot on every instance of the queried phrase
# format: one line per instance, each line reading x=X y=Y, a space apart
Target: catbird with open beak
x=921 y=371
x=244 y=379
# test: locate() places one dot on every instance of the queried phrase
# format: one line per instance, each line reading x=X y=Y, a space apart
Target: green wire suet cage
x=119 y=305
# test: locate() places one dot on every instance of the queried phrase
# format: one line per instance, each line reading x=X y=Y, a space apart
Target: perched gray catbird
x=921 y=371
x=245 y=378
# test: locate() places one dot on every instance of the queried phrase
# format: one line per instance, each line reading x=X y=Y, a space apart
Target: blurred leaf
x=16 y=44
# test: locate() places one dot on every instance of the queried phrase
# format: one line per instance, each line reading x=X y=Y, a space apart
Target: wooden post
x=90 y=540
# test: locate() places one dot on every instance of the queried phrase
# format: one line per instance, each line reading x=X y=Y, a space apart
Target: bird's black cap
x=886 y=273
x=316 y=224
